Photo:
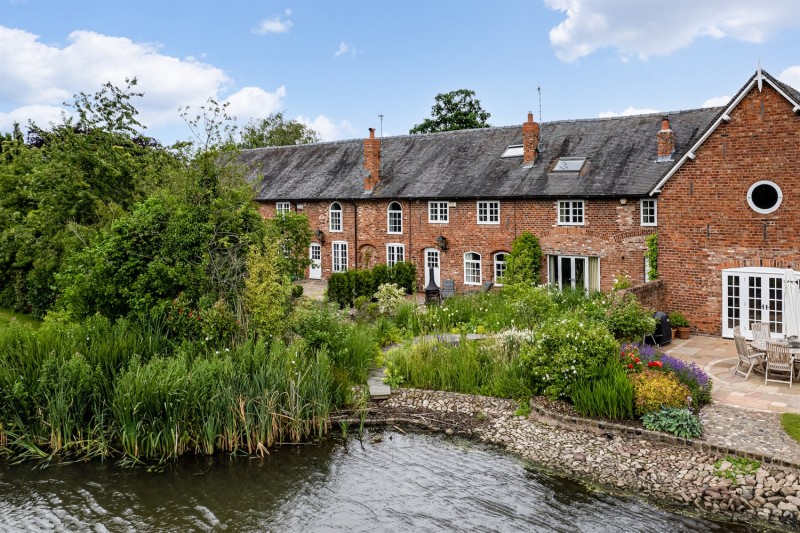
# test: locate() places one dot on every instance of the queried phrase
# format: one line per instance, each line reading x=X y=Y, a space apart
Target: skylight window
x=569 y=164
x=514 y=150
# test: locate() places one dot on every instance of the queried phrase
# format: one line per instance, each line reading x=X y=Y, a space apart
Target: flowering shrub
x=622 y=281
x=653 y=390
x=564 y=350
x=389 y=297
x=689 y=374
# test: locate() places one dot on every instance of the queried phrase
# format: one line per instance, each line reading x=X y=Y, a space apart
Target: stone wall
x=650 y=295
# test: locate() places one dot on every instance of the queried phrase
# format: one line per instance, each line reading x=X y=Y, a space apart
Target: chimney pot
x=530 y=116
x=372 y=133
x=666 y=140
x=664 y=123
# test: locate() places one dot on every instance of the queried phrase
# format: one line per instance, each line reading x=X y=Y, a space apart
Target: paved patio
x=717 y=357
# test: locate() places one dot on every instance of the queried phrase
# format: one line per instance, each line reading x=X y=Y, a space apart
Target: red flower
x=636 y=360
x=630 y=365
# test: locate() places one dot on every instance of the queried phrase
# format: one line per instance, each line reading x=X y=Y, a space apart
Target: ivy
x=651 y=254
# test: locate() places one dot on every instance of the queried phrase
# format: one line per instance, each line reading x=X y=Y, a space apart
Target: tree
x=456 y=110
x=275 y=130
x=292 y=233
x=524 y=263
x=266 y=290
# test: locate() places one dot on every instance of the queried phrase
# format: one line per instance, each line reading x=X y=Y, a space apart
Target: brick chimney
x=530 y=140
x=666 y=140
x=372 y=160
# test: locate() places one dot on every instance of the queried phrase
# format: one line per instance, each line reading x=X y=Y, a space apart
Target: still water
x=388 y=482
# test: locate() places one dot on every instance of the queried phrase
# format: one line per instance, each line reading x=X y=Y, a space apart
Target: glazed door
x=432 y=262
x=752 y=295
x=315 y=254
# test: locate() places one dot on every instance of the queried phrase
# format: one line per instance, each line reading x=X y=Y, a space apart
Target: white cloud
x=791 y=76
x=329 y=130
x=628 y=111
x=254 y=102
x=42 y=115
x=717 y=101
x=273 y=25
x=345 y=48
x=38 y=77
x=638 y=28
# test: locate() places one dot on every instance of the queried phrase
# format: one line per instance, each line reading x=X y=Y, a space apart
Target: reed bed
x=126 y=390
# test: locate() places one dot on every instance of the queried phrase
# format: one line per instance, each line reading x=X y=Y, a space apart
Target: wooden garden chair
x=752 y=360
x=779 y=360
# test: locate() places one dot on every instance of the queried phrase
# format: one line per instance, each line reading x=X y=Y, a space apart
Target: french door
x=432 y=262
x=752 y=294
x=568 y=271
x=315 y=254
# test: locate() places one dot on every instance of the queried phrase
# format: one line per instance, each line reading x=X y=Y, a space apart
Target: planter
x=674 y=333
x=683 y=332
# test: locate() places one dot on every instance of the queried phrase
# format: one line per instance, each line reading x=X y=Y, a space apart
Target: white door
x=749 y=295
x=315 y=269
x=432 y=262
x=568 y=271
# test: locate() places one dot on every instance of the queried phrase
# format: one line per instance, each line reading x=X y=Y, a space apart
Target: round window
x=764 y=196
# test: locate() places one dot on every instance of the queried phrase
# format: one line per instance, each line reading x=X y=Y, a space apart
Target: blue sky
x=337 y=65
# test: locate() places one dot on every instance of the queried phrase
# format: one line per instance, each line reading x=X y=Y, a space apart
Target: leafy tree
x=64 y=183
x=292 y=233
x=267 y=291
x=524 y=263
x=456 y=110
x=275 y=130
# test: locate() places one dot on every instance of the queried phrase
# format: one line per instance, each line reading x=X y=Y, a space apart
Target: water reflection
x=409 y=482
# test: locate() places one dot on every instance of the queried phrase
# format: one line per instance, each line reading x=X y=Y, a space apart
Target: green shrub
x=609 y=395
x=405 y=276
x=297 y=291
x=364 y=283
x=528 y=305
x=339 y=289
x=564 y=350
x=678 y=319
x=524 y=263
x=380 y=275
x=389 y=297
x=679 y=422
x=628 y=320
x=654 y=390
x=266 y=291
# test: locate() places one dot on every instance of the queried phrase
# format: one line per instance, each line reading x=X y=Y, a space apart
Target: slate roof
x=620 y=152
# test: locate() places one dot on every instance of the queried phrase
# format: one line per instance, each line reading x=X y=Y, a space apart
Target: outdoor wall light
x=441 y=242
x=319 y=235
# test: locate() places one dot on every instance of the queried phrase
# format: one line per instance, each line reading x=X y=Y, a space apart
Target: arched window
x=395 y=218
x=472 y=268
x=336 y=217
x=499 y=267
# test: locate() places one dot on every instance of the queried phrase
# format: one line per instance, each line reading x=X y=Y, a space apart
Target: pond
x=388 y=481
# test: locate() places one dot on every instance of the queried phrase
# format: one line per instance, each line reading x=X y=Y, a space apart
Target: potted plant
x=679 y=321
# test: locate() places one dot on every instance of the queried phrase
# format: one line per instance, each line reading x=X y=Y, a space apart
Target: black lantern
x=432 y=292
x=441 y=242
x=319 y=235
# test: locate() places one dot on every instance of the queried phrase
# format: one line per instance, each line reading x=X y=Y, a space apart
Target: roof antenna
x=381 y=117
x=541 y=122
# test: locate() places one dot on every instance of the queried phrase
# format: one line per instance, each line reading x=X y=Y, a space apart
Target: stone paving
x=717 y=357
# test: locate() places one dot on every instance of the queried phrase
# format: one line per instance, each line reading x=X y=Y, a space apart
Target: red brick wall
x=705 y=222
x=611 y=232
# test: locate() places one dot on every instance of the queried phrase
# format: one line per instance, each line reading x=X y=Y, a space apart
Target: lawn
x=6 y=316
x=791 y=424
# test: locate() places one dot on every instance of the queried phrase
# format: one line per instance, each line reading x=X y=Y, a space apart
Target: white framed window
x=339 y=254
x=438 y=212
x=395 y=253
x=472 y=268
x=499 y=267
x=489 y=212
x=394 y=218
x=649 y=212
x=570 y=212
x=576 y=272
x=335 y=216
x=282 y=207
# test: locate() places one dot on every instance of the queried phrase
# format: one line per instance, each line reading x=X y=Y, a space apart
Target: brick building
x=720 y=186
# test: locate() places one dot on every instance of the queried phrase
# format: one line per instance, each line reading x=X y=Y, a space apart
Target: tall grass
x=610 y=395
x=469 y=367
x=126 y=390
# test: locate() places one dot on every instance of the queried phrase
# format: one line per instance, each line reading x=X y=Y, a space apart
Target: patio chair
x=760 y=331
x=448 y=288
x=778 y=359
x=752 y=360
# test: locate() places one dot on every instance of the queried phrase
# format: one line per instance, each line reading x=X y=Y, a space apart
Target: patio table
x=794 y=352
